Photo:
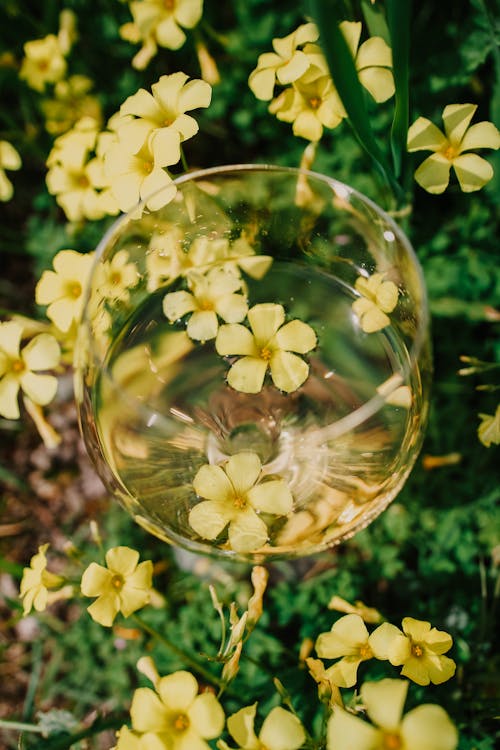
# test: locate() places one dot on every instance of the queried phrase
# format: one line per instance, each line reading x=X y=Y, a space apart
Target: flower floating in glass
x=236 y=494
x=269 y=344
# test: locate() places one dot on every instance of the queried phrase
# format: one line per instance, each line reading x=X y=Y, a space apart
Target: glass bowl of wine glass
x=253 y=363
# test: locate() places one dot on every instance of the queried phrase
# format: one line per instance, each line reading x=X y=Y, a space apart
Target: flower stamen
x=181 y=723
x=417 y=650
x=392 y=742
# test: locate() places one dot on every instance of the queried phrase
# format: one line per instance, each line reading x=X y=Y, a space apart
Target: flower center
x=449 y=153
x=314 y=102
x=392 y=742
x=147 y=166
x=74 y=289
x=169 y=4
x=181 y=723
x=265 y=353
x=239 y=502
x=115 y=277
x=365 y=651
x=117 y=581
x=83 y=181
x=417 y=650
x=205 y=304
x=18 y=366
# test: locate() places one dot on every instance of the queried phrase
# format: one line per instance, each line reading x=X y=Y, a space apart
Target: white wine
x=343 y=442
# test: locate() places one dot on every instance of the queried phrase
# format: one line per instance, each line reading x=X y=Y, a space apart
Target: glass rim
x=362 y=412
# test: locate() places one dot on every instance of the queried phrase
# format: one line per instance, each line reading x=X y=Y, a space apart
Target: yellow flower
x=70 y=104
x=43 y=62
x=19 y=368
x=269 y=344
x=235 y=494
x=141 y=177
x=489 y=429
x=472 y=171
x=349 y=639
x=124 y=586
x=373 y=61
x=62 y=289
x=160 y=119
x=116 y=277
x=427 y=726
x=310 y=105
x=36 y=582
x=418 y=648
x=285 y=64
x=175 y=716
x=9 y=159
x=281 y=730
x=161 y=20
x=211 y=296
x=378 y=297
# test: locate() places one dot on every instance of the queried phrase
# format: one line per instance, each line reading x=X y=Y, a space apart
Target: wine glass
x=254 y=362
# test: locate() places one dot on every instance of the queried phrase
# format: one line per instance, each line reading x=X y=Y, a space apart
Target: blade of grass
x=325 y=13
x=398 y=20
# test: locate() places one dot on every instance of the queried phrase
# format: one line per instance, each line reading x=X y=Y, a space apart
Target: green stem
x=185 y=165
x=19 y=726
x=185 y=657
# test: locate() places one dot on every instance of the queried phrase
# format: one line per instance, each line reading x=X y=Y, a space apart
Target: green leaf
x=398 y=19
x=346 y=80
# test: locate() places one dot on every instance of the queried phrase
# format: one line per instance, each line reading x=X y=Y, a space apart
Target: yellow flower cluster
x=9 y=160
x=418 y=648
x=308 y=98
x=97 y=173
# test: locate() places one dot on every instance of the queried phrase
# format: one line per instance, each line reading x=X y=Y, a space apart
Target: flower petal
x=202 y=325
x=348 y=732
x=273 y=496
x=177 y=304
x=212 y=483
x=265 y=319
x=288 y=371
x=9 y=388
x=231 y=307
x=423 y=135
x=456 y=119
x=344 y=673
x=438 y=641
x=440 y=668
x=379 y=82
x=147 y=712
x=247 y=532
x=41 y=389
x=399 y=649
x=240 y=726
x=243 y=470
x=473 y=172
x=429 y=726
x=296 y=336
x=209 y=518
x=371 y=318
x=10 y=338
x=132 y=599
x=234 y=338
x=207 y=716
x=282 y=730
x=480 y=135
x=381 y=639
x=195 y=94
x=122 y=560
x=42 y=352
x=344 y=639
x=95 y=579
x=384 y=701
x=178 y=690
x=104 y=609
x=434 y=174
x=247 y=374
